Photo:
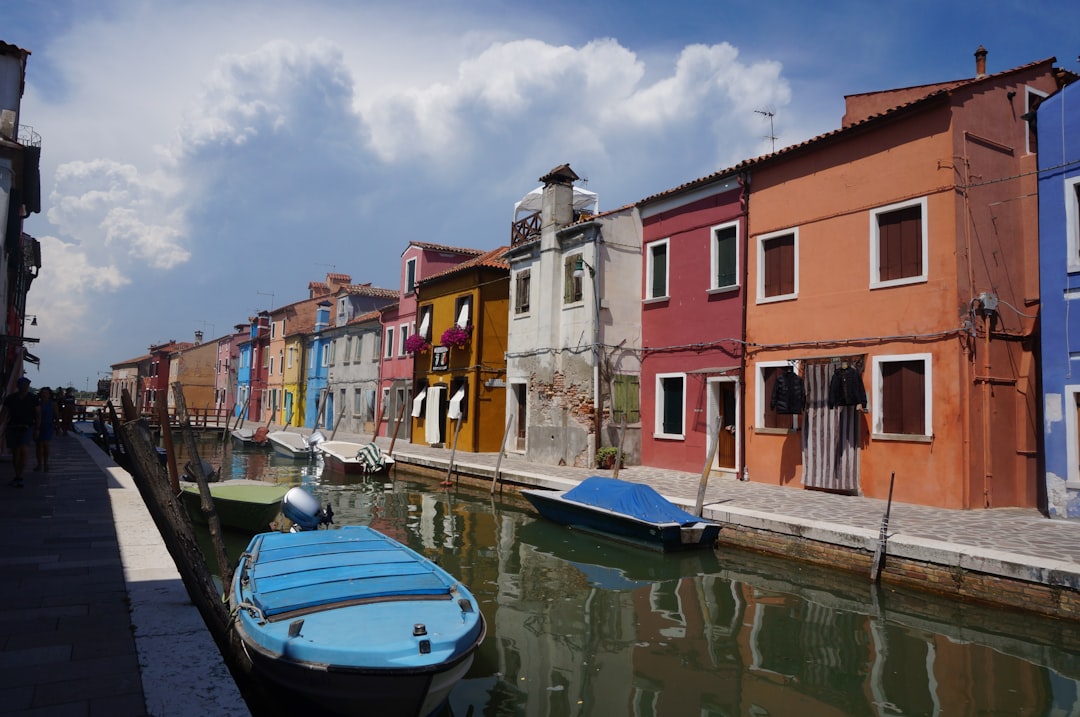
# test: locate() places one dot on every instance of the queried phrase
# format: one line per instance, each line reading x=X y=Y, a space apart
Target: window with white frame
x=385 y=402
x=410 y=276
x=902 y=390
x=403 y=336
x=778 y=266
x=1072 y=434
x=656 y=270
x=670 y=405
x=359 y=345
x=273 y=329
x=389 y=343
x=765 y=381
x=324 y=350
x=521 y=292
x=376 y=349
x=346 y=354
x=463 y=311
x=1072 y=221
x=571 y=279
x=333 y=352
x=725 y=257
x=898 y=244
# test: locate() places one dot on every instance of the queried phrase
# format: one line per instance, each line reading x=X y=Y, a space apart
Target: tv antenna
x=267 y=293
x=772 y=132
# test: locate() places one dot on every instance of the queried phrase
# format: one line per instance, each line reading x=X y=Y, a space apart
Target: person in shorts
x=19 y=415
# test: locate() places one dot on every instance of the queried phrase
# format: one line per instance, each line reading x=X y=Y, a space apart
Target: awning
x=454 y=412
x=418 y=404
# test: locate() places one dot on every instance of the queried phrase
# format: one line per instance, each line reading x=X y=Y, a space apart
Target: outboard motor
x=315 y=438
x=303 y=509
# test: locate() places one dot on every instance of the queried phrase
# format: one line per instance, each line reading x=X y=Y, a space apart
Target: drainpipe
x=593 y=275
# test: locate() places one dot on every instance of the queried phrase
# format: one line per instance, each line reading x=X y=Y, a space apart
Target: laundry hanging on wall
x=788 y=394
x=846 y=387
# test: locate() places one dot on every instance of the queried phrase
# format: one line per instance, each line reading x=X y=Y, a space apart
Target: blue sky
x=202 y=161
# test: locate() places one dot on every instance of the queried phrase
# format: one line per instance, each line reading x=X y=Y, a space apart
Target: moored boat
x=627 y=511
x=251 y=506
x=352 y=458
x=354 y=621
x=251 y=437
x=294 y=445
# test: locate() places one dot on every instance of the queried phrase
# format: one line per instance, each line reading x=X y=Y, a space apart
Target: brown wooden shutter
x=900 y=244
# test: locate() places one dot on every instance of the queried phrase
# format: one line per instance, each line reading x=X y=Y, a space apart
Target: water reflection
x=581 y=626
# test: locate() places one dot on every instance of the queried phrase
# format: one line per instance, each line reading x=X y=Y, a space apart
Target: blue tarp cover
x=634 y=499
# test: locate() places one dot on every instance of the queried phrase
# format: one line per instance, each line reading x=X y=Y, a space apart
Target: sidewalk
x=94 y=619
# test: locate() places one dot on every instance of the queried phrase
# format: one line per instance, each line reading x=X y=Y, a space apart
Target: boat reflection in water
x=578 y=625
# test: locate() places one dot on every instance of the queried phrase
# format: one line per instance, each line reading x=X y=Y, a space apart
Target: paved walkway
x=94 y=619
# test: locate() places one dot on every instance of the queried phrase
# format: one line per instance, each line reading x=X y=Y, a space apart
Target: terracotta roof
x=938 y=92
x=340 y=278
x=368 y=290
x=494 y=259
x=140 y=359
x=363 y=318
x=443 y=248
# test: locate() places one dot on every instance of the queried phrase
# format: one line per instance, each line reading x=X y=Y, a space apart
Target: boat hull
x=662 y=535
x=340 y=456
x=290 y=445
x=354 y=621
x=244 y=505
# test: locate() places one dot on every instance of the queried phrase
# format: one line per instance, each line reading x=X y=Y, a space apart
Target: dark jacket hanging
x=788 y=393
x=846 y=388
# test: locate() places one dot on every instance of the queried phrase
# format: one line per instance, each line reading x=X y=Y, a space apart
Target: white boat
x=355 y=458
x=254 y=437
x=294 y=445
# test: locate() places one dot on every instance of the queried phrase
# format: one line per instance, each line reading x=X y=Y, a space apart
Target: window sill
x=723 y=289
x=656 y=300
x=767 y=431
x=902 y=437
x=669 y=436
x=777 y=299
x=907 y=281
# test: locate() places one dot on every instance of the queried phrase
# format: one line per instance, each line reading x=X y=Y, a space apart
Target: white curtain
x=418 y=405
x=463 y=316
x=454 y=412
x=432 y=425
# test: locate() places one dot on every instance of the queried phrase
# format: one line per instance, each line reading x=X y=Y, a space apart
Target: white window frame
x=359 y=352
x=761 y=400
x=403 y=336
x=715 y=257
x=325 y=351
x=1072 y=222
x=761 y=239
x=649 y=268
x=388 y=343
x=573 y=259
x=658 y=408
x=410 y=289
x=875 y=244
x=273 y=329
x=1072 y=480
x=876 y=403
x=518 y=276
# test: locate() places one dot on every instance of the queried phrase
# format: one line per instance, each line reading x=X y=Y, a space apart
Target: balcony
x=525 y=230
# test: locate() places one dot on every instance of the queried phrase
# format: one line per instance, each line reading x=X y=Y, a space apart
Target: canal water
x=579 y=625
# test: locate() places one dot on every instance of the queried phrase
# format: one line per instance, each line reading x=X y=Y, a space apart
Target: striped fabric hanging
x=830 y=436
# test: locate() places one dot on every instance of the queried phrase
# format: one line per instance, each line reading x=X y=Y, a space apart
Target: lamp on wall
x=579 y=268
x=33 y=319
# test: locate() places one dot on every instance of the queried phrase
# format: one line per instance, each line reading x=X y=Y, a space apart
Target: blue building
x=318 y=372
x=1058 y=133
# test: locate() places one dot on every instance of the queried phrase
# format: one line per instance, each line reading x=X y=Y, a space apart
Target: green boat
x=247 y=505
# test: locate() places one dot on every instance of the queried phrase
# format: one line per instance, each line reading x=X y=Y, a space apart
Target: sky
x=203 y=161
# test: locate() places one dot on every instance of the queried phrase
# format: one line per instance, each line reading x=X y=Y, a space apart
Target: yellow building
x=459 y=379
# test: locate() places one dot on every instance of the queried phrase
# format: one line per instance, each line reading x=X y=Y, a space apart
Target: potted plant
x=605 y=457
x=457 y=336
x=416 y=344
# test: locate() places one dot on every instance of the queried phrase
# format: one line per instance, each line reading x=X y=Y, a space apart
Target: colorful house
x=225 y=370
x=693 y=292
x=317 y=352
x=420 y=259
x=459 y=350
x=251 y=374
x=354 y=371
x=892 y=285
x=574 y=338
x=192 y=366
x=1059 y=253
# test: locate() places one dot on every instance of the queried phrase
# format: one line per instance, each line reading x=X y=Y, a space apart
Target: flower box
x=457 y=336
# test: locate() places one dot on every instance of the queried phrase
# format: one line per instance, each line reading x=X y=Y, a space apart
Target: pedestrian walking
x=19 y=416
x=67 y=411
x=48 y=417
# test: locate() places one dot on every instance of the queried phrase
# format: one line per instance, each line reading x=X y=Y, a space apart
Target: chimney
x=980 y=62
x=198 y=337
x=558 y=202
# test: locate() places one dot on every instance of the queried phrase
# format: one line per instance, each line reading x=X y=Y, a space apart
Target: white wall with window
x=901 y=400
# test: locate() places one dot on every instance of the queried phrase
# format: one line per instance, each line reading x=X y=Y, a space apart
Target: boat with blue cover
x=354 y=621
x=632 y=512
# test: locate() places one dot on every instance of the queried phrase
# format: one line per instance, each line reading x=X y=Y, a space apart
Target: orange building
x=459 y=381
x=897 y=258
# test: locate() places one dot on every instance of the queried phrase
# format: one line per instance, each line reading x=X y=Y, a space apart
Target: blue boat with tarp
x=627 y=511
